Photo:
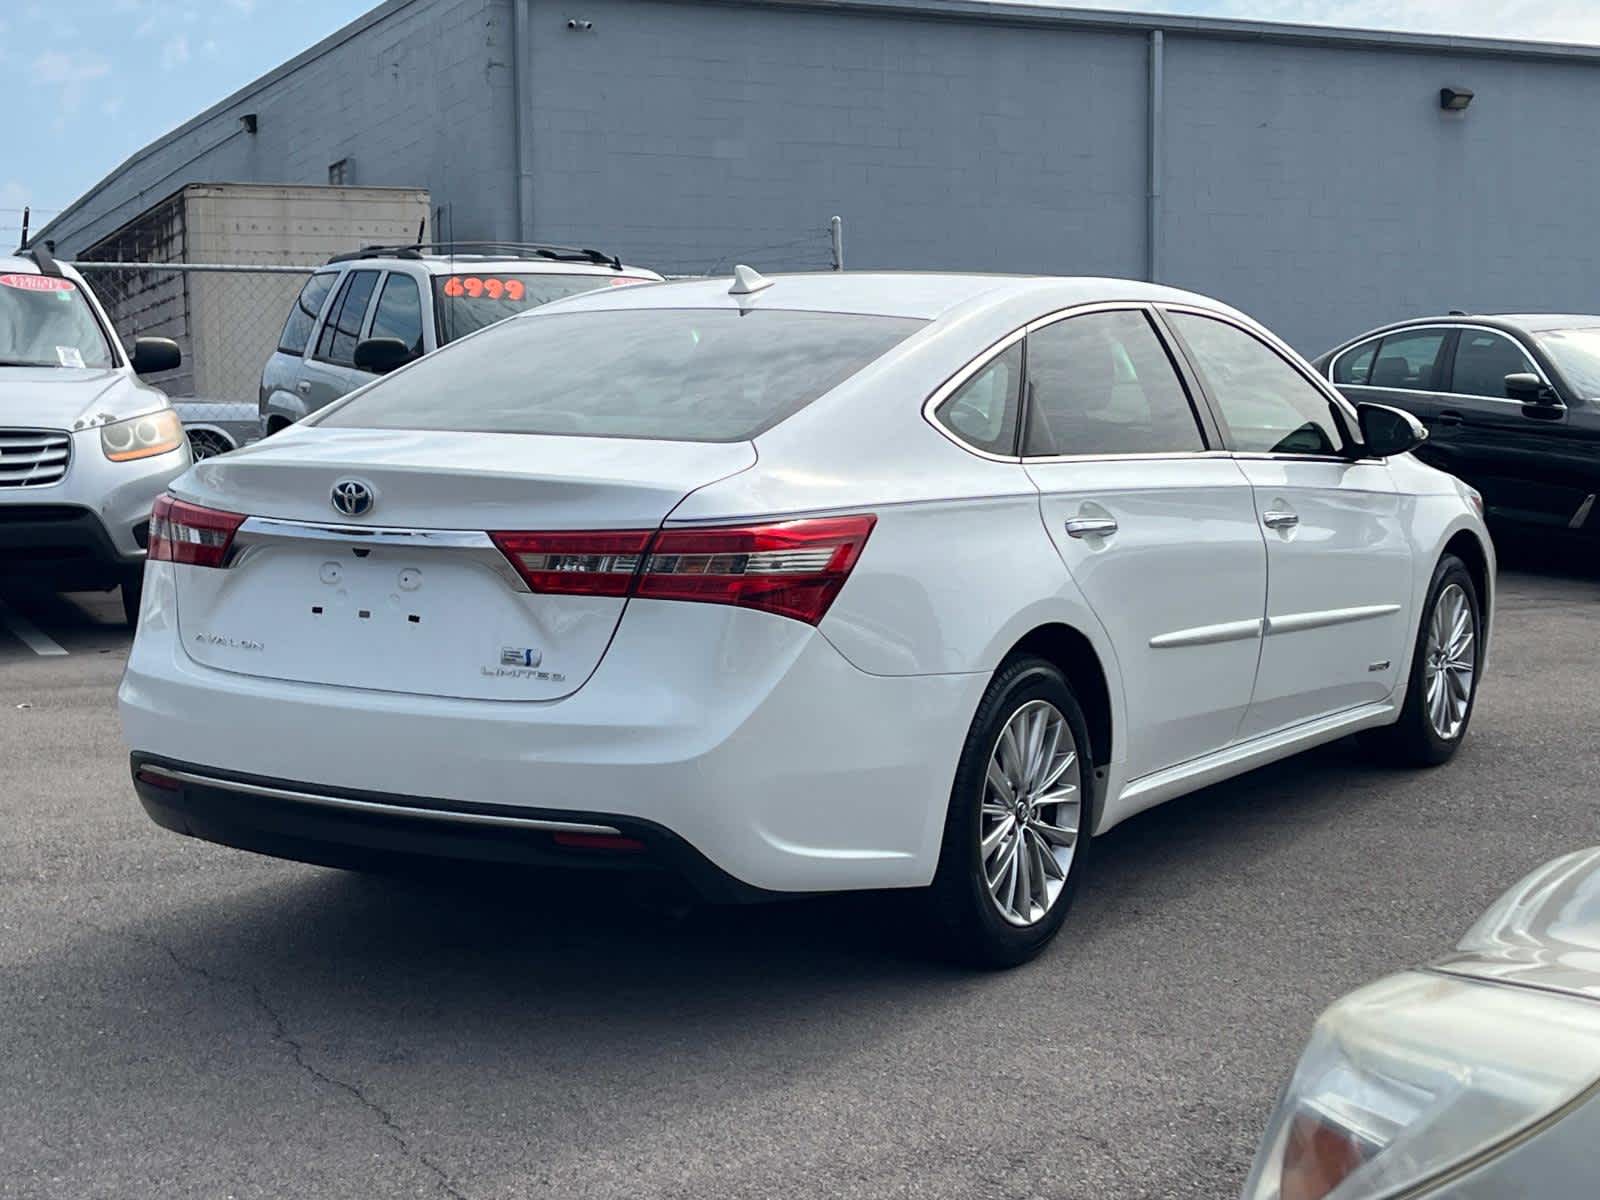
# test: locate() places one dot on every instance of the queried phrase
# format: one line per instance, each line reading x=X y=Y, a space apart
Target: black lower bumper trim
x=366 y=834
x=62 y=545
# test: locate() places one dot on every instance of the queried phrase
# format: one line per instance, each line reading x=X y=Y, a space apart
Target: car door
x=1516 y=454
x=330 y=371
x=1404 y=368
x=1155 y=524
x=1339 y=573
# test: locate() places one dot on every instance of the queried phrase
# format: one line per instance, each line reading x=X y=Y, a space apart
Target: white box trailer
x=227 y=321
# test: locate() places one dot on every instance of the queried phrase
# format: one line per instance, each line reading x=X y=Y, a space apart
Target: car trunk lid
x=397 y=585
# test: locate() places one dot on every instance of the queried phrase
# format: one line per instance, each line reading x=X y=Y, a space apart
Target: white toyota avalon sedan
x=802 y=584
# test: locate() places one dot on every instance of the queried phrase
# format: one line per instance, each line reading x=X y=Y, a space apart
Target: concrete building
x=1310 y=176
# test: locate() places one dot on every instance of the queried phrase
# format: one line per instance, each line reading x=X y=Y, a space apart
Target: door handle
x=1448 y=417
x=1277 y=518
x=303 y=386
x=1079 y=527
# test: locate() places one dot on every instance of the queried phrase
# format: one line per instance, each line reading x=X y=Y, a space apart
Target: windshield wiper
x=27 y=362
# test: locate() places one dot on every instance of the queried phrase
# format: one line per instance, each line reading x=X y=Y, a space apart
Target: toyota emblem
x=352 y=497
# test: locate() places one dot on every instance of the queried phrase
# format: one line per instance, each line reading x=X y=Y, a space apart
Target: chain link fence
x=226 y=320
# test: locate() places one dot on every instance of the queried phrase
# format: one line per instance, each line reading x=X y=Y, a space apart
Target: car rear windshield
x=673 y=374
x=46 y=322
x=1576 y=353
x=469 y=300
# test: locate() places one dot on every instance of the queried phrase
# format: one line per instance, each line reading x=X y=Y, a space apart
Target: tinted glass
x=469 y=301
x=1577 y=356
x=399 y=312
x=46 y=322
x=1410 y=361
x=1267 y=405
x=1355 y=366
x=983 y=411
x=694 y=375
x=1483 y=360
x=1103 y=384
x=339 y=336
x=297 y=329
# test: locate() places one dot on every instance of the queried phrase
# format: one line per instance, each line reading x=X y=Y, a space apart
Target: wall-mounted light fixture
x=248 y=122
x=1455 y=99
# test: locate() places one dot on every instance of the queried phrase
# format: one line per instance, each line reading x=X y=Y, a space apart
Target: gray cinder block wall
x=1308 y=176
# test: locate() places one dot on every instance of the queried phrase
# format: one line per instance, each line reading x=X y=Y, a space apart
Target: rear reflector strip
x=598 y=841
x=791 y=568
x=181 y=532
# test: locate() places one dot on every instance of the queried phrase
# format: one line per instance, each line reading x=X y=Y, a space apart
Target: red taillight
x=576 y=564
x=792 y=568
x=181 y=532
x=600 y=841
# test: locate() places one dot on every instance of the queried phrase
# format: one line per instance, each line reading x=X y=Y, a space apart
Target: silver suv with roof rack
x=366 y=313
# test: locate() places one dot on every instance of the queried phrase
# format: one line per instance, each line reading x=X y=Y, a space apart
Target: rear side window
x=399 y=312
x=693 y=375
x=1409 y=361
x=1103 y=384
x=343 y=329
x=983 y=411
x=1483 y=360
x=1354 y=367
x=297 y=329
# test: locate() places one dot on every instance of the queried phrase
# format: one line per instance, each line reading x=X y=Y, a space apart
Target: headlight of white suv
x=142 y=437
x=1421 y=1076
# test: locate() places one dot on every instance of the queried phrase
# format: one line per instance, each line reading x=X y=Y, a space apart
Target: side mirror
x=152 y=354
x=1389 y=431
x=380 y=355
x=1530 y=389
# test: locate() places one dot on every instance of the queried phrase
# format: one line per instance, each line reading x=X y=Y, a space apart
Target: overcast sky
x=90 y=81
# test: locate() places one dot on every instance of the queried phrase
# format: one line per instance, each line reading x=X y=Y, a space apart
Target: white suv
x=376 y=309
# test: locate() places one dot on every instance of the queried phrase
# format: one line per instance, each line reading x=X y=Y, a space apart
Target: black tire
x=1413 y=740
x=974 y=930
x=205 y=443
x=132 y=592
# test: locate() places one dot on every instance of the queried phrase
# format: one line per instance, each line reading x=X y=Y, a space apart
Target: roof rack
x=528 y=250
x=42 y=255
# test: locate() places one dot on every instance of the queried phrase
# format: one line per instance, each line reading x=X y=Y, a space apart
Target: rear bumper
x=343 y=828
x=745 y=736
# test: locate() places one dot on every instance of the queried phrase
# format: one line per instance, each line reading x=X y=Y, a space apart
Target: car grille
x=33 y=457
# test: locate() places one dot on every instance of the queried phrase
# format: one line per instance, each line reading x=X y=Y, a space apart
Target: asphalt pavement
x=182 y=1020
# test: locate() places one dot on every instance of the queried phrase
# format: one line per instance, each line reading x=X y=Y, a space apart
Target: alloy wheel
x=1028 y=827
x=1450 y=663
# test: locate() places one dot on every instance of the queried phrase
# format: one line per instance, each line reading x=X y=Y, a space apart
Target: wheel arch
x=1071 y=651
x=1466 y=545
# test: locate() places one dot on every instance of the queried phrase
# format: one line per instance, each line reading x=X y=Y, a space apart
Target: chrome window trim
x=1447 y=328
x=255 y=533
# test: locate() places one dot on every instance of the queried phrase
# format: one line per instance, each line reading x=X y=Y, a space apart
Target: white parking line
x=32 y=636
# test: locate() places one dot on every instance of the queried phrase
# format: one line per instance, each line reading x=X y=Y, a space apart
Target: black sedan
x=1512 y=405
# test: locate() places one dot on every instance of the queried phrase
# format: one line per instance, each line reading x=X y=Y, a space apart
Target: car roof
x=446 y=264
x=1509 y=322
x=919 y=295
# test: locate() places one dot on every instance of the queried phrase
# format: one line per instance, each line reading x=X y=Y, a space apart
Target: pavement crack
x=280 y=1034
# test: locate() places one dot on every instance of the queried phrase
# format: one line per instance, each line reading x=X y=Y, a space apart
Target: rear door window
x=1409 y=361
x=343 y=329
x=1483 y=360
x=670 y=374
x=303 y=316
x=1353 y=368
x=1102 y=384
x=399 y=311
